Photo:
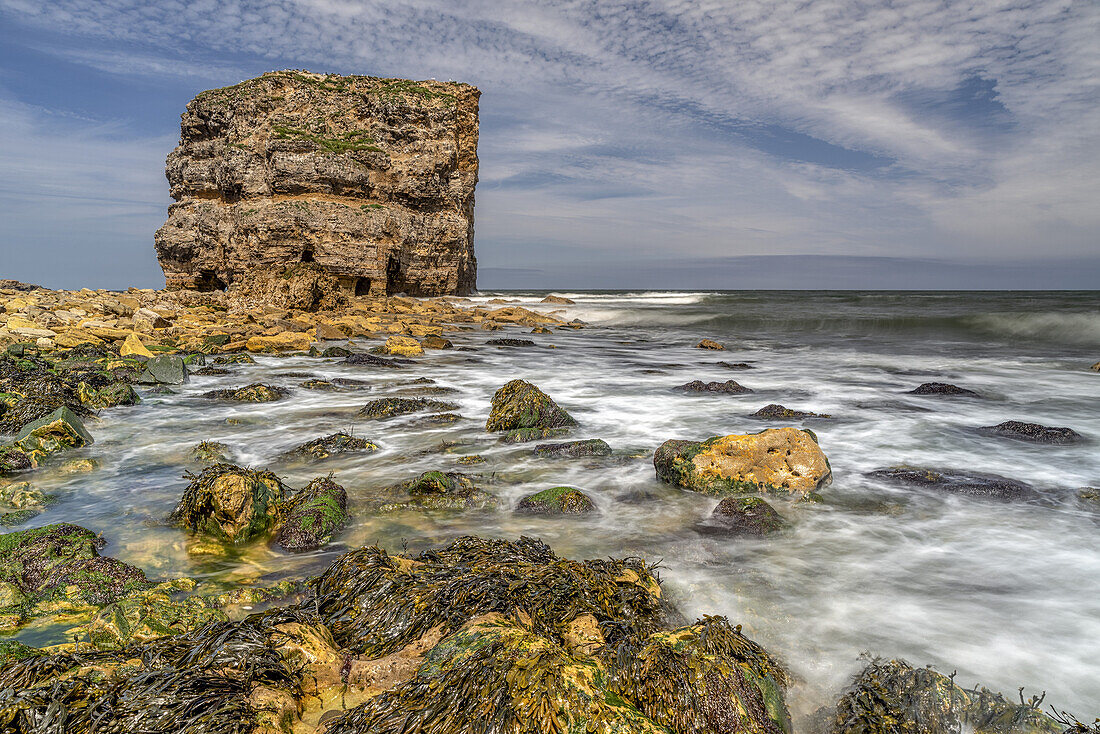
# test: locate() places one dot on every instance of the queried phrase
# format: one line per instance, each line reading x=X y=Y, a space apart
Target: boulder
x=336 y=352
x=231 y=504
x=573 y=449
x=331 y=445
x=436 y=342
x=403 y=346
x=313 y=516
x=942 y=388
x=559 y=300
x=742 y=516
x=710 y=344
x=210 y=452
x=729 y=387
x=437 y=490
x=956 y=482
x=255 y=393
x=557 y=501
x=287 y=341
x=133 y=346
x=109 y=396
x=889 y=697
x=786 y=461
x=60 y=430
x=165 y=369
x=520 y=405
x=1031 y=432
x=778 y=412
x=391 y=407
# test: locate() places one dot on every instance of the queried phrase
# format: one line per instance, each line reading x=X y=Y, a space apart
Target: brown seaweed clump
x=230 y=503
x=313 y=515
x=520 y=405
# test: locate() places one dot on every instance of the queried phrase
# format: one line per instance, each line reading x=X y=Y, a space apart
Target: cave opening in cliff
x=307 y=255
x=394 y=276
x=362 y=286
x=208 y=281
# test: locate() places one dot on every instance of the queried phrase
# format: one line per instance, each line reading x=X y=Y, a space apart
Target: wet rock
x=402 y=346
x=437 y=490
x=433 y=341
x=165 y=369
x=210 y=371
x=13 y=460
x=523 y=435
x=710 y=344
x=58 y=431
x=957 y=482
x=742 y=516
x=327 y=446
x=778 y=412
x=736 y=365
x=336 y=352
x=559 y=300
x=510 y=343
x=942 y=388
x=573 y=449
x=62 y=562
x=287 y=341
x=391 y=407
x=472 y=459
x=78 y=466
x=1032 y=432
x=1095 y=367
x=109 y=396
x=313 y=516
x=372 y=360
x=892 y=696
x=210 y=452
x=240 y=358
x=785 y=461
x=557 y=501
x=440 y=419
x=254 y=393
x=150 y=614
x=521 y=405
x=1089 y=496
x=729 y=387
x=231 y=504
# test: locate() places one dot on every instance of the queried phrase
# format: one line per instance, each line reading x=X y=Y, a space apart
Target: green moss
x=347 y=142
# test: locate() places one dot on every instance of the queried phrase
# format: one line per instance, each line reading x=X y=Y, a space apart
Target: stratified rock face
x=307 y=187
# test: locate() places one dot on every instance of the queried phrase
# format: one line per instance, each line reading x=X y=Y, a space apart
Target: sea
x=1004 y=594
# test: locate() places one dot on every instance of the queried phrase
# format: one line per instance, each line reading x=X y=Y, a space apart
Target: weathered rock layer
x=308 y=189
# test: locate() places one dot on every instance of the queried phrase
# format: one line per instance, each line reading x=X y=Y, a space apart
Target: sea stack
x=304 y=190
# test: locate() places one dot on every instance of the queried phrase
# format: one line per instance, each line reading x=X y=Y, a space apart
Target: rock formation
x=304 y=190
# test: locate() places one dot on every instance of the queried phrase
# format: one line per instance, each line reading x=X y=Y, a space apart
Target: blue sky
x=757 y=143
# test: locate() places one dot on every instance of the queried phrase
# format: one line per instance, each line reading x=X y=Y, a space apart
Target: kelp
x=327 y=446
x=376 y=604
x=313 y=515
x=230 y=503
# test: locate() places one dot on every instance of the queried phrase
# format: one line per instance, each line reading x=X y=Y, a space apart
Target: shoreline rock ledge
x=305 y=190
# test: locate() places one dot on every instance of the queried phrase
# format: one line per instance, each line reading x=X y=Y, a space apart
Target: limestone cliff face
x=296 y=187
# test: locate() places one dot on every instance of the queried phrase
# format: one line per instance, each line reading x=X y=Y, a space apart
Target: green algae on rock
x=557 y=501
x=519 y=405
x=437 y=490
x=313 y=515
x=785 y=461
x=210 y=452
x=742 y=515
x=60 y=430
x=331 y=445
x=573 y=449
x=231 y=504
x=890 y=697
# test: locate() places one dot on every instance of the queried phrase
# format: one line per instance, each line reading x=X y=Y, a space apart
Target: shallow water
x=1004 y=593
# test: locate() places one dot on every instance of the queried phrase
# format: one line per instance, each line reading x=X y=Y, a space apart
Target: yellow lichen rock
x=132 y=346
x=779 y=460
x=403 y=346
x=287 y=341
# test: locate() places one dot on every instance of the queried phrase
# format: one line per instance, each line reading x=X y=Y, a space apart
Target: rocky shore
x=478 y=635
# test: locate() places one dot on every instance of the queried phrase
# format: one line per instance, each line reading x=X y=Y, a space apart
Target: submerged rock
x=519 y=405
x=557 y=501
x=375 y=361
x=433 y=341
x=779 y=412
x=336 y=383
x=231 y=504
x=710 y=344
x=573 y=449
x=729 y=387
x=742 y=516
x=238 y=358
x=942 y=388
x=736 y=365
x=313 y=516
x=60 y=430
x=890 y=697
x=508 y=342
x=523 y=435
x=210 y=452
x=391 y=407
x=327 y=446
x=437 y=490
x=1032 y=432
x=957 y=482
x=255 y=393
x=785 y=461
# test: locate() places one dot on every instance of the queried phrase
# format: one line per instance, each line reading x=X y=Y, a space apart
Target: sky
x=649 y=144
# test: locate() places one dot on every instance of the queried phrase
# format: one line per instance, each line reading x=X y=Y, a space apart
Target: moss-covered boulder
x=231 y=504
x=742 y=516
x=328 y=446
x=255 y=393
x=706 y=677
x=313 y=515
x=392 y=407
x=58 y=431
x=557 y=501
x=109 y=396
x=62 y=562
x=893 y=697
x=785 y=461
x=519 y=405
x=573 y=449
x=523 y=435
